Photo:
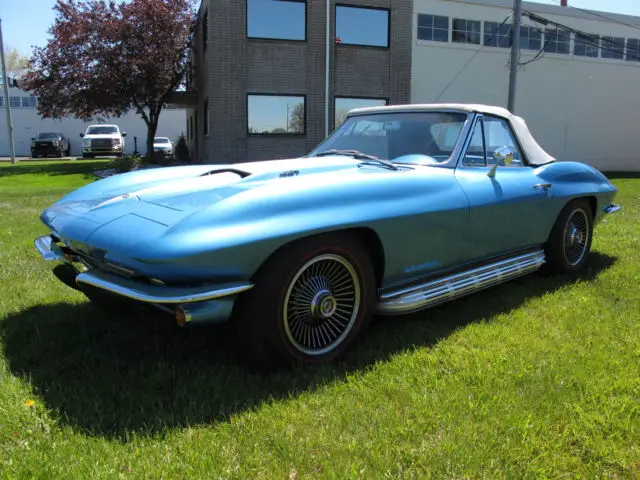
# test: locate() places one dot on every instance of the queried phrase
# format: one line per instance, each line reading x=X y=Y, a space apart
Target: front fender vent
x=290 y=173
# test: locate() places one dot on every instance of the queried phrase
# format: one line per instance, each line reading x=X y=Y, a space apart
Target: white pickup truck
x=101 y=140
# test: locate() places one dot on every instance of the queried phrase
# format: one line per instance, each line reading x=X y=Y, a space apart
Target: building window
x=343 y=104
x=277 y=19
x=633 y=50
x=1 y=102
x=276 y=114
x=15 y=102
x=433 y=27
x=497 y=35
x=362 y=26
x=190 y=127
x=205 y=117
x=556 y=41
x=465 y=31
x=205 y=29
x=586 y=45
x=613 y=47
x=29 y=102
x=530 y=38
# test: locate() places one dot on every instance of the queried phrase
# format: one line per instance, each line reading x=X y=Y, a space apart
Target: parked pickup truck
x=50 y=143
x=103 y=140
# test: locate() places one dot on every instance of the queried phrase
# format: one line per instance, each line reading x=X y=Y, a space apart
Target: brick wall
x=234 y=65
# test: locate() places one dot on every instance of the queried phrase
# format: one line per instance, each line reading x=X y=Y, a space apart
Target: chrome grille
x=101 y=143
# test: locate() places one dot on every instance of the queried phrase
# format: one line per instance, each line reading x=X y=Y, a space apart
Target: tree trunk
x=152 y=127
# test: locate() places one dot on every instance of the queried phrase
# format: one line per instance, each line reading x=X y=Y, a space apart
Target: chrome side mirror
x=502 y=155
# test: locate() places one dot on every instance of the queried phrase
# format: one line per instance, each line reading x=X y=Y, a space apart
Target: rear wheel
x=309 y=303
x=569 y=243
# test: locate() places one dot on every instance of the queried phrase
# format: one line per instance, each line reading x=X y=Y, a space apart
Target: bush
x=126 y=163
x=182 y=150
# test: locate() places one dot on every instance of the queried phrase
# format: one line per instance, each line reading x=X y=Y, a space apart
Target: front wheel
x=309 y=303
x=569 y=243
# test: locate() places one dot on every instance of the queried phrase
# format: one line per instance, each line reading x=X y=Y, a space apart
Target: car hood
x=102 y=135
x=125 y=211
x=161 y=197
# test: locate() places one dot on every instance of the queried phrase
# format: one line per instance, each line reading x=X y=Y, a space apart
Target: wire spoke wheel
x=322 y=304
x=576 y=237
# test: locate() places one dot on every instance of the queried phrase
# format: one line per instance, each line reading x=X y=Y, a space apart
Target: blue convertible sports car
x=401 y=208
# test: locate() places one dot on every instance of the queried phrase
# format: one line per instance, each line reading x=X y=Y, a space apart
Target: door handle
x=542 y=186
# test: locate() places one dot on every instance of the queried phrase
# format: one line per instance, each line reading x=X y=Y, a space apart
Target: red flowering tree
x=107 y=58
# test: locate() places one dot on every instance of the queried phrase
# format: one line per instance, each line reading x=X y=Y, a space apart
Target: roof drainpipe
x=327 y=67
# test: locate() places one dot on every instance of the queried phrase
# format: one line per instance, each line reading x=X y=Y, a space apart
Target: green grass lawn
x=537 y=378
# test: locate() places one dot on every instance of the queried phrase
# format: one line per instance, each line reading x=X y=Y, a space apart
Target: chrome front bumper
x=159 y=294
x=135 y=290
x=49 y=250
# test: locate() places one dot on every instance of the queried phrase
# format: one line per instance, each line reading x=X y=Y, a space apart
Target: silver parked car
x=164 y=145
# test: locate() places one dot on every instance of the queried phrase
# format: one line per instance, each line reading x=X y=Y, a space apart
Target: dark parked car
x=50 y=143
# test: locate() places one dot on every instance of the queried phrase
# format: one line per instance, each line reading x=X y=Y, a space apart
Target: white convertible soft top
x=534 y=153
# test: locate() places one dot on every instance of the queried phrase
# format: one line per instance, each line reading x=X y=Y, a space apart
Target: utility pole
x=327 y=67
x=5 y=88
x=515 y=54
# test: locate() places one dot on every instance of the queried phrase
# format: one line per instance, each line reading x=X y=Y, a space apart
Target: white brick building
x=579 y=97
x=27 y=123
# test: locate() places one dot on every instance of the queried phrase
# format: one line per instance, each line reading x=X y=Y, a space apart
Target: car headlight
x=86 y=142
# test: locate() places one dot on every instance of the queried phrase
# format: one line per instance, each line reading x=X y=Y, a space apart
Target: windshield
x=402 y=137
x=101 y=130
x=161 y=140
x=44 y=136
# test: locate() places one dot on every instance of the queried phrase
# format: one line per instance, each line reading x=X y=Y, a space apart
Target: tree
x=107 y=58
x=296 y=121
x=17 y=63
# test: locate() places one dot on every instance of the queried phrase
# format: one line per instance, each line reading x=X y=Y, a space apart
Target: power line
x=472 y=57
x=585 y=36
x=540 y=52
x=545 y=21
x=604 y=17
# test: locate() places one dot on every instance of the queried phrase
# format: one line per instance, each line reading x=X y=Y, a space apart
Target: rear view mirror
x=502 y=155
x=124 y=134
x=82 y=134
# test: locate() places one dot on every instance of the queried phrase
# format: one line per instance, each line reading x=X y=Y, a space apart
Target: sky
x=25 y=22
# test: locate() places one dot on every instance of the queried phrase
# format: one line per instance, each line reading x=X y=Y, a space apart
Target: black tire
x=274 y=320
x=570 y=239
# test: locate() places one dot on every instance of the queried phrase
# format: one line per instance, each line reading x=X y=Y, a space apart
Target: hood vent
x=241 y=173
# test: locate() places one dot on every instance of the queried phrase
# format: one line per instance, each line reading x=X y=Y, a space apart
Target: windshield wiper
x=358 y=155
